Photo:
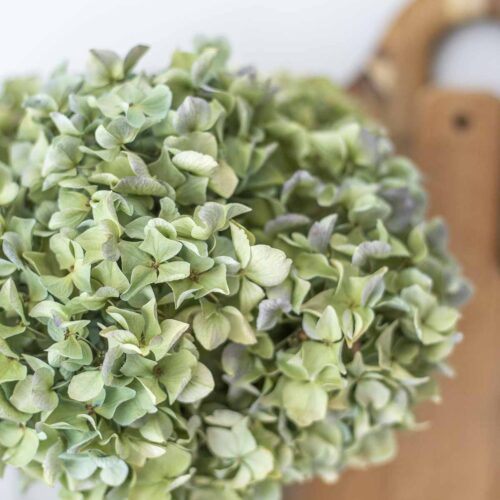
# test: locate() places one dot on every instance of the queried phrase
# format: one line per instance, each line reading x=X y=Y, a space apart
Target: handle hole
x=461 y=122
x=467 y=58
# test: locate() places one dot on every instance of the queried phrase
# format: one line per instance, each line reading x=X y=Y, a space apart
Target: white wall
x=314 y=36
x=304 y=36
x=320 y=36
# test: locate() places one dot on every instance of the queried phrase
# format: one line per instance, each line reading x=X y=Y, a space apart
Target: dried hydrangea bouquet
x=211 y=285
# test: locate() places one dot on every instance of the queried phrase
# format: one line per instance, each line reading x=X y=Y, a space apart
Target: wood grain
x=455 y=138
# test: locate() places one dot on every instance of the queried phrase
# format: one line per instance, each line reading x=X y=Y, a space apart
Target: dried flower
x=209 y=287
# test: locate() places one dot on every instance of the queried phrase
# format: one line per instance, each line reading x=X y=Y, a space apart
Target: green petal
x=11 y=370
x=241 y=244
x=268 y=266
x=159 y=247
x=176 y=372
x=240 y=330
x=85 y=386
x=328 y=327
x=195 y=163
x=231 y=443
x=199 y=386
x=211 y=331
x=24 y=452
x=305 y=402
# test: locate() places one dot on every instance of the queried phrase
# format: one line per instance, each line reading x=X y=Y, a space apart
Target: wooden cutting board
x=455 y=138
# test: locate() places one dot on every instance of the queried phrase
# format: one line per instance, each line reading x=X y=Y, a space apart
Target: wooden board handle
x=401 y=65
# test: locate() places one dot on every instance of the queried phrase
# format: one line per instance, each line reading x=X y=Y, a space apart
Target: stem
x=35 y=331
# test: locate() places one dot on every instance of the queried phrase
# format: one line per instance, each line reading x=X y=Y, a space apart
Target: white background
x=333 y=37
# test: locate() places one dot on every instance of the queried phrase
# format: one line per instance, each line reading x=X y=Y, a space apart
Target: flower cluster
x=210 y=286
